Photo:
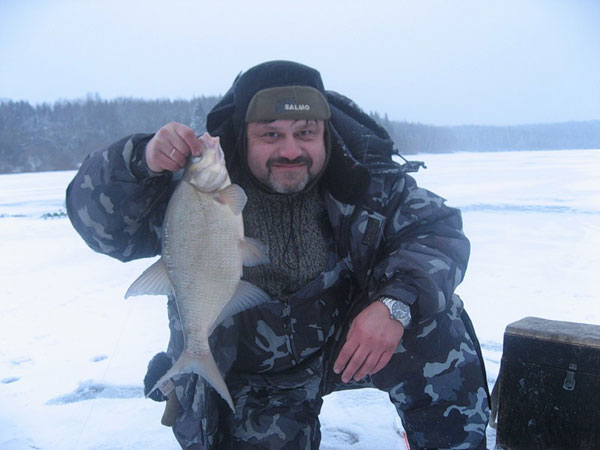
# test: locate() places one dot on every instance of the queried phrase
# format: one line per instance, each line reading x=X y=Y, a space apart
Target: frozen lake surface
x=73 y=353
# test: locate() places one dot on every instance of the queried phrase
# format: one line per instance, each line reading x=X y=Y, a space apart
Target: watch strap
x=399 y=311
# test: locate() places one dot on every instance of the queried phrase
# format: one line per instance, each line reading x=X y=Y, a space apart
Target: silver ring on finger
x=172 y=153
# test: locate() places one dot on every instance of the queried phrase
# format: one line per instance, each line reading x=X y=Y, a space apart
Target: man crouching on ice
x=363 y=268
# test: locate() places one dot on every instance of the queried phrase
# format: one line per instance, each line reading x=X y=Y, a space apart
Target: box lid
x=557 y=331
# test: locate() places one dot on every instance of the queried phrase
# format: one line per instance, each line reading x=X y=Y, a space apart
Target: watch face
x=398 y=310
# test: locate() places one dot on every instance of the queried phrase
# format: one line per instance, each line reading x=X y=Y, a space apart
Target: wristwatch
x=398 y=310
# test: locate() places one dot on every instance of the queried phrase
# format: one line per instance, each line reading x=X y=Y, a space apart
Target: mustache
x=286 y=161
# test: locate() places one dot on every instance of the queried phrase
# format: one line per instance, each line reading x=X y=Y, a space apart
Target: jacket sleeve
x=424 y=253
x=116 y=203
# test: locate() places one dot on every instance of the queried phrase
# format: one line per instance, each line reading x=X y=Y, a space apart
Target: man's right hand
x=170 y=147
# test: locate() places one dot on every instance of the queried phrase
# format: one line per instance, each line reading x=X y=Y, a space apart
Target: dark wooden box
x=549 y=386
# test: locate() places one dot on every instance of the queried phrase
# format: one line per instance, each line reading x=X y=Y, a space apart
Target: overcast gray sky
x=439 y=62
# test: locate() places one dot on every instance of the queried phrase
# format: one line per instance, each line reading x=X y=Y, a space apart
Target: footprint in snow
x=89 y=390
x=21 y=361
x=345 y=436
x=9 y=380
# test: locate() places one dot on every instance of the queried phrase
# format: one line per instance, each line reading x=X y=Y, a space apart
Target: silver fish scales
x=204 y=249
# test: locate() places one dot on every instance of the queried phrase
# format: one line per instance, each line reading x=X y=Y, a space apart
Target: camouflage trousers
x=435 y=380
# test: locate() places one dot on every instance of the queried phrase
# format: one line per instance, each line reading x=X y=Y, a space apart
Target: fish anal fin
x=232 y=196
x=246 y=296
x=254 y=252
x=153 y=281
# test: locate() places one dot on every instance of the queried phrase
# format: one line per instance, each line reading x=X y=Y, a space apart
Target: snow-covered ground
x=73 y=352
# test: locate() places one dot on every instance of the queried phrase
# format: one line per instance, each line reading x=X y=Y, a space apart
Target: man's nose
x=290 y=148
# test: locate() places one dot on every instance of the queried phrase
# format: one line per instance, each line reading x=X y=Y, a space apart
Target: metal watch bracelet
x=398 y=310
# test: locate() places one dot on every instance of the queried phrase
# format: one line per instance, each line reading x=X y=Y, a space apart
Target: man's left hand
x=370 y=344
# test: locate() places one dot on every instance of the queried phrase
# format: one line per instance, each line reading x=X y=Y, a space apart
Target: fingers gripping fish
x=203 y=251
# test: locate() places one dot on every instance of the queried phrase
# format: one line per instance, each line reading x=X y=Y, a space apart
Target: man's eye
x=270 y=134
x=305 y=133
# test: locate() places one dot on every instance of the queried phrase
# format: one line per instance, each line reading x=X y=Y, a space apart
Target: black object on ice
x=157 y=367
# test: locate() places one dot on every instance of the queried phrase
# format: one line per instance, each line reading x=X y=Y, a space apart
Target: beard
x=289 y=183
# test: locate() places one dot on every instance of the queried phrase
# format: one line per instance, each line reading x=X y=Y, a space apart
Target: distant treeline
x=59 y=136
x=419 y=138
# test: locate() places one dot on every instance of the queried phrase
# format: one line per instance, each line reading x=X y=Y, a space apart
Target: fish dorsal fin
x=153 y=281
x=247 y=296
x=254 y=252
x=232 y=196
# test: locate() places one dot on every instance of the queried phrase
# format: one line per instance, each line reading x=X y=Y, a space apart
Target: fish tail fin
x=204 y=366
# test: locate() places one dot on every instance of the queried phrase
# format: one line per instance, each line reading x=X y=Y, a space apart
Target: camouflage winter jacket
x=400 y=241
x=396 y=239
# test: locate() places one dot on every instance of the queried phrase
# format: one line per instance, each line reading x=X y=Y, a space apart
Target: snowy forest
x=58 y=136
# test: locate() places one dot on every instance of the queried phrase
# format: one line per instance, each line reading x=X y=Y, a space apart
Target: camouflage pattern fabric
x=434 y=380
x=395 y=240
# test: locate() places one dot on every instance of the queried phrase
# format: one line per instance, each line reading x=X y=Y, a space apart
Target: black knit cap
x=268 y=75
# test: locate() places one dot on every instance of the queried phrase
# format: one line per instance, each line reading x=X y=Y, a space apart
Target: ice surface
x=73 y=352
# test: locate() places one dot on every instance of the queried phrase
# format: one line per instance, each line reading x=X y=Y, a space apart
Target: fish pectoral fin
x=254 y=252
x=232 y=196
x=247 y=296
x=153 y=281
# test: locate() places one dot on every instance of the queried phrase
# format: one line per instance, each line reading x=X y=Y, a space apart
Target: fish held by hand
x=203 y=252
